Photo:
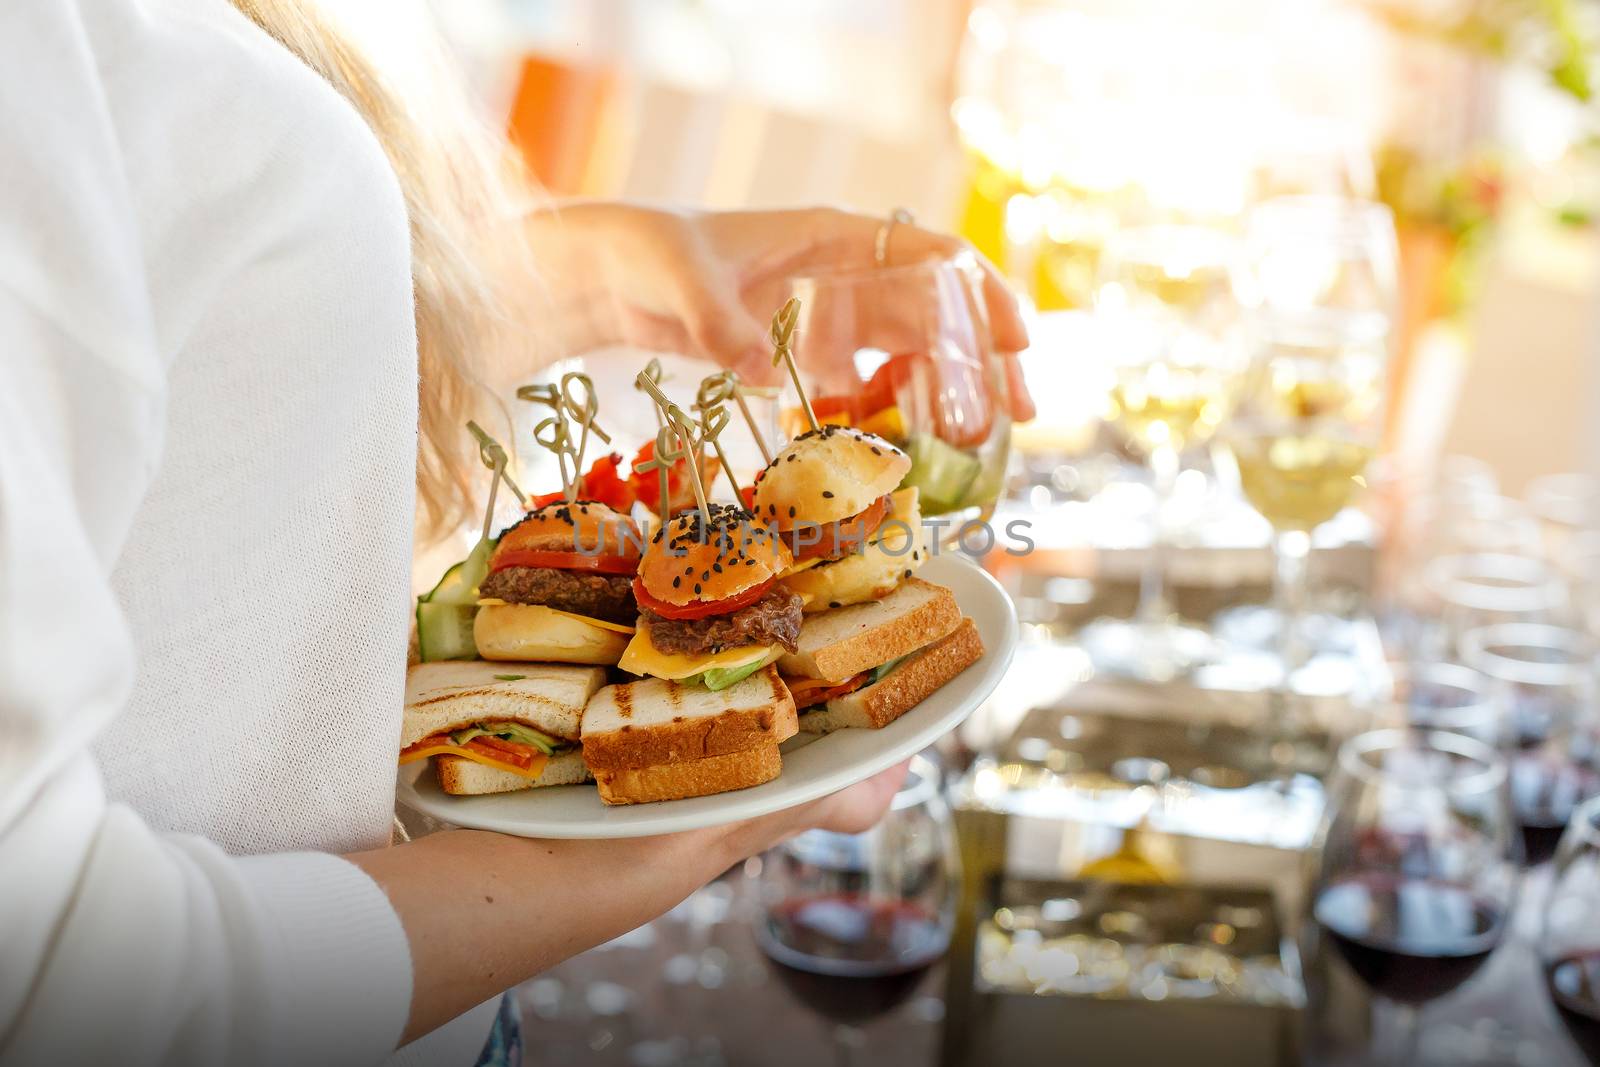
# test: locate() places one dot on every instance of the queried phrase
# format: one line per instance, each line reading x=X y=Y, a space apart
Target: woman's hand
x=706 y=283
x=484 y=911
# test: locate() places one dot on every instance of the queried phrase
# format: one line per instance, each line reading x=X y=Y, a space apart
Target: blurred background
x=1312 y=290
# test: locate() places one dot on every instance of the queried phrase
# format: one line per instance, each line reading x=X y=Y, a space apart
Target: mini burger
x=711 y=611
x=559 y=587
x=831 y=494
x=877 y=640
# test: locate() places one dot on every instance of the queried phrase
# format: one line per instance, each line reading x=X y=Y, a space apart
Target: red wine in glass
x=849 y=956
x=1408 y=940
x=1544 y=794
x=1574 y=984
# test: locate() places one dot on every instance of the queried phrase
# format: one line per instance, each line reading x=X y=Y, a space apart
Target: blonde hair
x=470 y=264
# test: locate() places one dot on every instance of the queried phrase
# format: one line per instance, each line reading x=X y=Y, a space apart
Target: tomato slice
x=836 y=536
x=646 y=485
x=701 y=608
x=601 y=483
x=809 y=691
x=564 y=561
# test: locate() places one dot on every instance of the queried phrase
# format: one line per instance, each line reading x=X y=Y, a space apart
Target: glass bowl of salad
x=905 y=352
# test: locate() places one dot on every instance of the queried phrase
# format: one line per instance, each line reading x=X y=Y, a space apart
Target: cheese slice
x=643 y=657
x=802 y=565
x=604 y=624
x=422 y=750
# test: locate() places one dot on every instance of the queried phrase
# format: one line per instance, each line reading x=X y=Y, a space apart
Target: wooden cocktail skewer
x=583 y=414
x=652 y=375
x=674 y=419
x=716 y=389
x=713 y=420
x=494 y=457
x=551 y=433
x=783 y=324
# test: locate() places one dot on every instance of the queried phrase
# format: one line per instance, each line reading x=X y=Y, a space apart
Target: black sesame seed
x=876 y=451
x=791 y=511
x=696 y=588
x=677 y=581
x=717 y=567
x=833 y=604
x=908 y=572
x=827 y=494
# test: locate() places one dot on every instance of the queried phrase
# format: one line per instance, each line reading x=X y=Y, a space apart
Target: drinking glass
x=1569 y=944
x=904 y=352
x=1566 y=504
x=1170 y=299
x=1310 y=415
x=1416 y=870
x=1324 y=256
x=1580 y=565
x=852 y=922
x=1466 y=591
x=1449 y=697
x=1542 y=677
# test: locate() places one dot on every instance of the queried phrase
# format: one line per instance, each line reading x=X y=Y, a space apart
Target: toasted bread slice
x=463 y=778
x=690 y=778
x=843 y=641
x=450 y=695
x=909 y=684
x=654 y=721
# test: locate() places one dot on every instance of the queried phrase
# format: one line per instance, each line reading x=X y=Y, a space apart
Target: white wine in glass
x=1306 y=425
x=1169 y=405
x=1300 y=481
x=1169 y=299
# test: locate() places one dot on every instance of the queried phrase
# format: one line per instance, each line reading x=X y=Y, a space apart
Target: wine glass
x=1469 y=590
x=1449 y=697
x=1542 y=678
x=1310 y=414
x=852 y=922
x=904 y=352
x=1169 y=297
x=1566 y=504
x=1569 y=944
x=1416 y=870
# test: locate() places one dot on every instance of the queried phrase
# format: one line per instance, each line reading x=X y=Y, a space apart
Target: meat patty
x=774 y=619
x=600 y=596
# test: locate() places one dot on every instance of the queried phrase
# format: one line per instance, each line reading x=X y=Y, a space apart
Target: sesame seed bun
x=827 y=475
x=687 y=563
x=564 y=527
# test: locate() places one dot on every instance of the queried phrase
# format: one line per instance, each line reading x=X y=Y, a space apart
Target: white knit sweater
x=207 y=429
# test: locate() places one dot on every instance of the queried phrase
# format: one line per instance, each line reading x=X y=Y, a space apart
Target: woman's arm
x=483 y=911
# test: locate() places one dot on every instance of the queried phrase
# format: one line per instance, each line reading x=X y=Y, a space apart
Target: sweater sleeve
x=123 y=945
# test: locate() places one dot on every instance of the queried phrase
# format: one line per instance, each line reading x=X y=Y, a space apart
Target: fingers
x=858 y=808
x=1006 y=325
x=1020 y=400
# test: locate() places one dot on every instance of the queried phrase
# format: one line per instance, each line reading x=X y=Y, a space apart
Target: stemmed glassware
x=1170 y=299
x=852 y=922
x=1569 y=943
x=1310 y=414
x=1541 y=676
x=1471 y=590
x=1416 y=869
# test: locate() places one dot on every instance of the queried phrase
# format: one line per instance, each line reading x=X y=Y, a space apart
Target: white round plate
x=812 y=766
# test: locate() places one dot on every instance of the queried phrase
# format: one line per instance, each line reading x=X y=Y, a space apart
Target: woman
x=226 y=257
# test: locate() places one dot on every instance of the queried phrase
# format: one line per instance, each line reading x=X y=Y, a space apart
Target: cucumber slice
x=444 y=631
x=722 y=677
x=460 y=583
x=941 y=473
x=883 y=669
